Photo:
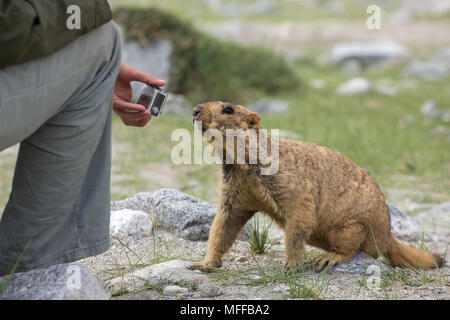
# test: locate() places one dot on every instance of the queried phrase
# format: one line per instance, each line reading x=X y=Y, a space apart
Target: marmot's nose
x=197 y=110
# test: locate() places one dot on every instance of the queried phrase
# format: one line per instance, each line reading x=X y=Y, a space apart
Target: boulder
x=367 y=53
x=178 y=212
x=58 y=282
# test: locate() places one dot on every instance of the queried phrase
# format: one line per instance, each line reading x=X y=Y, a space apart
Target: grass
x=258 y=236
x=205 y=68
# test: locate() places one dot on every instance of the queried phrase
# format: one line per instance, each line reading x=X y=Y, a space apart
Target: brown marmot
x=318 y=196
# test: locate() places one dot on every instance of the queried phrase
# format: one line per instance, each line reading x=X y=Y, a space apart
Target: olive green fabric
x=32 y=29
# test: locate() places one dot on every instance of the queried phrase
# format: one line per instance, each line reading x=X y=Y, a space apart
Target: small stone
x=209 y=290
x=355 y=86
x=241 y=259
x=175 y=291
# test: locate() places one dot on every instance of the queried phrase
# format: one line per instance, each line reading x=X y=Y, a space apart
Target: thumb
x=147 y=78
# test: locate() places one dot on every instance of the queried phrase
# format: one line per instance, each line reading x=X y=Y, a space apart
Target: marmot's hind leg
x=344 y=242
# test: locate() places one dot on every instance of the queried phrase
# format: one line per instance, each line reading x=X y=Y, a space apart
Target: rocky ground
x=156 y=235
x=154 y=266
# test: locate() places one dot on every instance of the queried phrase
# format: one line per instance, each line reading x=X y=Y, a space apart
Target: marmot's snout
x=196 y=112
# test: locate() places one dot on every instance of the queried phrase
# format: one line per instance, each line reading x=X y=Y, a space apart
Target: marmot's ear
x=253 y=120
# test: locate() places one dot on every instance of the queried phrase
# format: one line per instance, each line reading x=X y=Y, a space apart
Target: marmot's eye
x=228 y=110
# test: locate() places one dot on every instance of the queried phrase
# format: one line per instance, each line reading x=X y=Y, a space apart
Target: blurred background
x=311 y=68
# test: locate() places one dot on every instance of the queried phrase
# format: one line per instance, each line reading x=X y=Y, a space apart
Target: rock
x=129 y=225
x=404 y=227
x=435 y=69
x=317 y=84
x=355 y=86
x=367 y=53
x=153 y=59
x=432 y=71
x=269 y=106
x=175 y=211
x=169 y=272
x=58 y=282
x=139 y=202
x=209 y=290
x=241 y=259
x=177 y=104
x=175 y=291
x=441 y=209
x=360 y=264
x=430 y=109
x=178 y=212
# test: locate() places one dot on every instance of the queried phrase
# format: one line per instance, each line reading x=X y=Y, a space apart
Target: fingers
x=125 y=106
x=135 y=119
x=148 y=79
x=136 y=75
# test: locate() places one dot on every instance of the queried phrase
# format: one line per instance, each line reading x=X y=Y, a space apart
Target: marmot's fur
x=319 y=197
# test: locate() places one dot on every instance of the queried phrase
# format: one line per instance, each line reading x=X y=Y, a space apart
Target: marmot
x=318 y=197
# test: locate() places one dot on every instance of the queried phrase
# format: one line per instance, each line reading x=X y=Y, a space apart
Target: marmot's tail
x=402 y=255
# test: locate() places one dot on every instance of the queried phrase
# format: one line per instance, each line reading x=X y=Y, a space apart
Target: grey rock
x=367 y=53
x=435 y=69
x=209 y=290
x=432 y=71
x=174 y=290
x=169 y=272
x=430 y=109
x=139 y=202
x=177 y=104
x=269 y=106
x=404 y=227
x=178 y=212
x=58 y=282
x=174 y=210
x=360 y=264
x=355 y=86
x=129 y=225
x=441 y=209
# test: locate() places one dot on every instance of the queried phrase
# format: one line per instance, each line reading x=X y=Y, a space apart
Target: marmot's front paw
x=205 y=266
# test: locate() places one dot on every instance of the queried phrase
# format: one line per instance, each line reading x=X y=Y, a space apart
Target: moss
x=205 y=68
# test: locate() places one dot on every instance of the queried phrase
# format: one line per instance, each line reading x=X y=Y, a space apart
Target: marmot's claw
x=297 y=268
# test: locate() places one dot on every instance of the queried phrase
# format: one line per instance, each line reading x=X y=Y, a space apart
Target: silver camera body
x=153 y=99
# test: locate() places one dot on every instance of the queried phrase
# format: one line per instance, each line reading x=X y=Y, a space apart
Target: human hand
x=132 y=114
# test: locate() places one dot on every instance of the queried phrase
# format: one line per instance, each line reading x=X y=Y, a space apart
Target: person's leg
x=60 y=108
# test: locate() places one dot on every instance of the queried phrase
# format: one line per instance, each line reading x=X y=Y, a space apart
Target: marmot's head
x=222 y=115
